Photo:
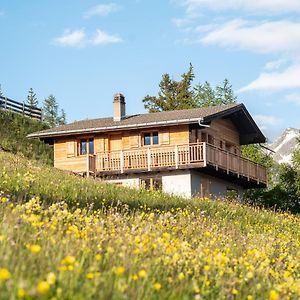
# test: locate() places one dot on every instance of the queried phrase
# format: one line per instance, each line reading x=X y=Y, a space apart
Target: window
x=86 y=146
x=150 y=138
x=151 y=184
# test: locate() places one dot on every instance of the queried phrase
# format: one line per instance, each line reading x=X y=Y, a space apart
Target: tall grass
x=65 y=237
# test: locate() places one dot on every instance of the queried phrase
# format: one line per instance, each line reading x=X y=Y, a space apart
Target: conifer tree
x=51 y=114
x=50 y=111
x=172 y=94
x=32 y=99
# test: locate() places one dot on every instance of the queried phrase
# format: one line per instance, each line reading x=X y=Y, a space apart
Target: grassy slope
x=161 y=248
x=13 y=131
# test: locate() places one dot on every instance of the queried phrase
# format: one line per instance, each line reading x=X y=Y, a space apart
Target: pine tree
x=51 y=115
x=50 y=111
x=62 y=119
x=225 y=93
x=32 y=99
x=204 y=95
x=172 y=94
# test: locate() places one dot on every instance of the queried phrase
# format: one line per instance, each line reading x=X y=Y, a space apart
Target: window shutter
x=100 y=146
x=134 y=141
x=165 y=138
x=71 y=148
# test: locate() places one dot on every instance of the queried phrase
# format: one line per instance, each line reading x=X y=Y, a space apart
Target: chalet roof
x=237 y=112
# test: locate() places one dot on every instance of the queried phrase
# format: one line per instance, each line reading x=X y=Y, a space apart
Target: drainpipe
x=201 y=124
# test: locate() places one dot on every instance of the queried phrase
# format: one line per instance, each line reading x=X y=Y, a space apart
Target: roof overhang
x=248 y=129
x=241 y=118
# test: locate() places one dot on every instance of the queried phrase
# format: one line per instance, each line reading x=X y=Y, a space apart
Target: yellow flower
x=181 y=276
x=98 y=257
x=4 y=274
x=34 y=248
x=119 y=270
x=43 y=287
x=142 y=273
x=157 y=286
x=135 y=277
x=21 y=293
x=68 y=260
x=249 y=297
x=2 y=237
x=89 y=275
x=206 y=268
x=51 y=278
x=249 y=275
x=234 y=291
x=273 y=295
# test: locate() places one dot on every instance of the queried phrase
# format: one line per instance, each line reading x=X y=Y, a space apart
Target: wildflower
x=157 y=286
x=34 y=248
x=142 y=273
x=273 y=295
x=98 y=257
x=206 y=268
x=119 y=270
x=89 y=275
x=234 y=291
x=249 y=275
x=249 y=297
x=68 y=260
x=21 y=293
x=43 y=287
x=4 y=274
x=135 y=277
x=181 y=276
x=2 y=237
x=51 y=278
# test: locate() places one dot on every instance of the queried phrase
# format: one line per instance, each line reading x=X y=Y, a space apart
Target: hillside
x=75 y=238
x=13 y=131
x=284 y=146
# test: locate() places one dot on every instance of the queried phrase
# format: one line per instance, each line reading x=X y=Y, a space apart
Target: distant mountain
x=285 y=145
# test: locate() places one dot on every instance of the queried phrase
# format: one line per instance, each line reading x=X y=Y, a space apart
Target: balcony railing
x=176 y=157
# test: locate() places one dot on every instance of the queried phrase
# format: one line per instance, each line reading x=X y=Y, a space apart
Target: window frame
x=151 y=136
x=87 y=140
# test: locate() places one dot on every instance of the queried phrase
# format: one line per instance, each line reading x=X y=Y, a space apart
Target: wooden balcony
x=201 y=155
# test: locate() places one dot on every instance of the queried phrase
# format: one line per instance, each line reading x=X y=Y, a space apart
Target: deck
x=200 y=155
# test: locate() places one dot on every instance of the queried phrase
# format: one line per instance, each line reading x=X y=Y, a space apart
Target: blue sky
x=85 y=51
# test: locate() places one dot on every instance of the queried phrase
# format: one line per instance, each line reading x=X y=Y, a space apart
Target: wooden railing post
x=176 y=157
x=149 y=159
x=204 y=155
x=122 y=161
x=87 y=165
x=227 y=162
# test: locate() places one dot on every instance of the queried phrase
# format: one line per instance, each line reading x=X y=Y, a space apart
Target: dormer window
x=150 y=138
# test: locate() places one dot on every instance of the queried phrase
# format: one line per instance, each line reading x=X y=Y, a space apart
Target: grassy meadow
x=64 y=237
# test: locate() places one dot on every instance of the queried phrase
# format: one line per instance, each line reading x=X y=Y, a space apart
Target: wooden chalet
x=194 y=152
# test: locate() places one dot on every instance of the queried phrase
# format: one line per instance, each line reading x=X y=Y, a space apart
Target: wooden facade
x=177 y=147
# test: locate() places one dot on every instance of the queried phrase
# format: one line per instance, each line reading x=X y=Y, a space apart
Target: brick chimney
x=119 y=107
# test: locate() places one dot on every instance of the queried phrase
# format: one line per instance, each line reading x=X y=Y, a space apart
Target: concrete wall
x=128 y=182
x=177 y=183
x=185 y=183
x=217 y=188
